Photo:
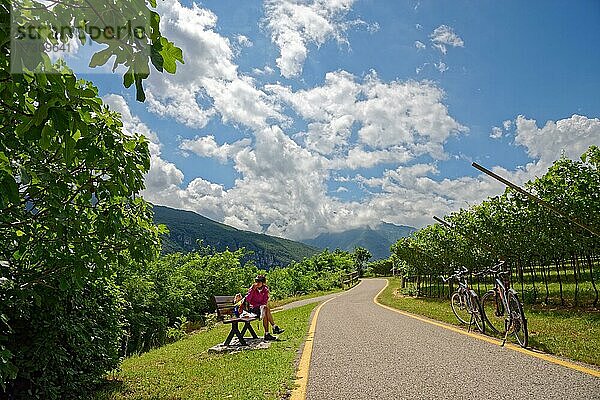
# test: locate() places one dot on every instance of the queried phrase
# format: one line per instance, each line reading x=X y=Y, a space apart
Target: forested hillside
x=377 y=241
x=186 y=227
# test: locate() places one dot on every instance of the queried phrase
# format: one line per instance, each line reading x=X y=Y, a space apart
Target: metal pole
x=536 y=199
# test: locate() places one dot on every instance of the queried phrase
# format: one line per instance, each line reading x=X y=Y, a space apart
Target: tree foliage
x=361 y=256
x=512 y=227
x=69 y=206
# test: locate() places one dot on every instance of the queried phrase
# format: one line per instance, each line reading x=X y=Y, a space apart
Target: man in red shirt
x=258 y=298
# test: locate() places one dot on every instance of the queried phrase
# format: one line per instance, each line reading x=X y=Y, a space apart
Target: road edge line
x=301 y=382
x=510 y=346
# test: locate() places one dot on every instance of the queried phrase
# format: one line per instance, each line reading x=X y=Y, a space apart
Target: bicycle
x=465 y=302
x=502 y=310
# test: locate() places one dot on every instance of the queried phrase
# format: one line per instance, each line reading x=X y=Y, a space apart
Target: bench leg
x=248 y=327
x=236 y=331
x=230 y=336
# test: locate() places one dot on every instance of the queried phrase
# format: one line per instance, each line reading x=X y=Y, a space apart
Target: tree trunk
x=591 y=267
x=575 y=263
x=520 y=272
x=533 y=278
x=545 y=277
x=562 y=299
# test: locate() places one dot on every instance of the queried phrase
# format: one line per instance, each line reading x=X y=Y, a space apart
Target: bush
x=65 y=343
x=176 y=287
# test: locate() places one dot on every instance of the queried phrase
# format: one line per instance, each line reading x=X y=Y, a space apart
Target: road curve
x=364 y=351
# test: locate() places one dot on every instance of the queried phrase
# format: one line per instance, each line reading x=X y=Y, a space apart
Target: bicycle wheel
x=517 y=319
x=493 y=311
x=459 y=306
x=477 y=312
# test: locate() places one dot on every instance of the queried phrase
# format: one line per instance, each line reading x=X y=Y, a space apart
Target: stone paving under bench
x=234 y=347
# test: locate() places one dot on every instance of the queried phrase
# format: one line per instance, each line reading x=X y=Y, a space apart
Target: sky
x=298 y=117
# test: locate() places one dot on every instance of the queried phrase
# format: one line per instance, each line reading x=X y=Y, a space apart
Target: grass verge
x=573 y=334
x=185 y=370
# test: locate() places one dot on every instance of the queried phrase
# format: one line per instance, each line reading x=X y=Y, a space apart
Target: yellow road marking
x=488 y=339
x=299 y=392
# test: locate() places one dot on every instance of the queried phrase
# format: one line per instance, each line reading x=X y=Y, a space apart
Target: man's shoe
x=269 y=337
x=277 y=330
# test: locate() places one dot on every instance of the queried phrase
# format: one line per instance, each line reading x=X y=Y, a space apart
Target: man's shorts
x=259 y=311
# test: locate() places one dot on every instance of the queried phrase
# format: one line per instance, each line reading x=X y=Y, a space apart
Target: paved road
x=363 y=351
x=300 y=303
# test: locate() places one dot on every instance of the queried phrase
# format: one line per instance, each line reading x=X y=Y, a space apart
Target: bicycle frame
x=466 y=297
x=502 y=291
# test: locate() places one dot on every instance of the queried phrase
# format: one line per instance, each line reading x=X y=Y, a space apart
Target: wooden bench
x=225 y=311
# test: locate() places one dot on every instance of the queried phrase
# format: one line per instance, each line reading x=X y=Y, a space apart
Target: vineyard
x=552 y=260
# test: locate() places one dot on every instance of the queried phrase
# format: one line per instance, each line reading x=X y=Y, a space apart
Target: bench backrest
x=224 y=305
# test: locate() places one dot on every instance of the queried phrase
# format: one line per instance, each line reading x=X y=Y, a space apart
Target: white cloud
x=571 y=136
x=410 y=195
x=443 y=36
x=388 y=115
x=209 y=75
x=283 y=185
x=240 y=102
x=206 y=146
x=507 y=124
x=419 y=69
x=441 y=66
x=419 y=45
x=244 y=41
x=496 y=133
x=267 y=70
x=358 y=157
x=296 y=24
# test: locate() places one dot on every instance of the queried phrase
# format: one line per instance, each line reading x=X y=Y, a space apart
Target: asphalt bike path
x=300 y=303
x=361 y=350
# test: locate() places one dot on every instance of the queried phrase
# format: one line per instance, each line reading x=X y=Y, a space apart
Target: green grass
x=279 y=303
x=573 y=334
x=185 y=370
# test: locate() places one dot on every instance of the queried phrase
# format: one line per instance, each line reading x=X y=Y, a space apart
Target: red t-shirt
x=257 y=297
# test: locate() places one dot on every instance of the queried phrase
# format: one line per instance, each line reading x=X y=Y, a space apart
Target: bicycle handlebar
x=496 y=269
x=456 y=275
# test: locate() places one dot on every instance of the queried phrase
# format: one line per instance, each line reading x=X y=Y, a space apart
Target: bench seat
x=225 y=311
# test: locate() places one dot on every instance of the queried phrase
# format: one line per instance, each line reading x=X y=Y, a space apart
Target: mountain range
x=377 y=240
x=186 y=227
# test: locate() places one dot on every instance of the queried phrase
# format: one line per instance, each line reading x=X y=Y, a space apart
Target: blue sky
x=298 y=117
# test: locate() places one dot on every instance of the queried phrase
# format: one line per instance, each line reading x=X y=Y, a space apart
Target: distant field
x=574 y=334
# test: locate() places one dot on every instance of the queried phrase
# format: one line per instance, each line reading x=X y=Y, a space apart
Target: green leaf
x=130 y=145
x=9 y=187
x=100 y=58
x=128 y=78
x=46 y=139
x=139 y=95
x=69 y=149
x=5 y=163
x=170 y=54
x=157 y=58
